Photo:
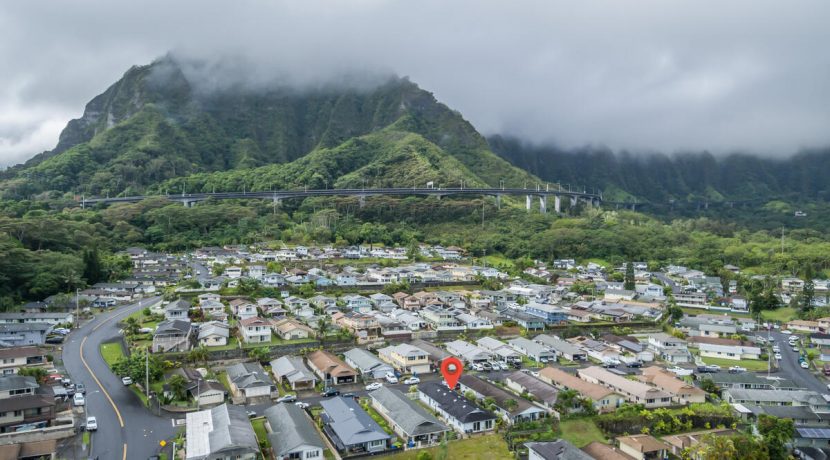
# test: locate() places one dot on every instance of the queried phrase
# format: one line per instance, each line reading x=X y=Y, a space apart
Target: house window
x=312 y=454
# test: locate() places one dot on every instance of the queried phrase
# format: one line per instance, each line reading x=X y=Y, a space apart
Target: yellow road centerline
x=98 y=382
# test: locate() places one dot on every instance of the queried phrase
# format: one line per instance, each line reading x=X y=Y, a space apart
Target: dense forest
x=659 y=178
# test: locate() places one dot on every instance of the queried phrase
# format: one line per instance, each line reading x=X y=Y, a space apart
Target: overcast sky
x=635 y=74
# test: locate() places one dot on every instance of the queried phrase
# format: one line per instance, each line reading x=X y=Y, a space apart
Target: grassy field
x=276 y=341
x=111 y=352
x=581 y=432
x=783 y=314
x=749 y=364
x=491 y=447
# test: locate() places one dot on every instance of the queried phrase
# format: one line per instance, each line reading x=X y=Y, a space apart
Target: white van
x=79 y=399
x=390 y=377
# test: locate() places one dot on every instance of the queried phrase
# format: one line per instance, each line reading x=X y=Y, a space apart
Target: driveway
x=126 y=429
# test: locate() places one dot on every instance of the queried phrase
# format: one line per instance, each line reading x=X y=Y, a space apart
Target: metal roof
x=291 y=429
x=413 y=419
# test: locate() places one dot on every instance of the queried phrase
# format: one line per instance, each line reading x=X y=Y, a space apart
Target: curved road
x=126 y=428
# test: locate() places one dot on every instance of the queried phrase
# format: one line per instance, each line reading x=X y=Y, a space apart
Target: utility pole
x=147 y=374
x=77 y=309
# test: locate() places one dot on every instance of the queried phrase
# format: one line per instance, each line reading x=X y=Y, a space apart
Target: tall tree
x=93 y=269
x=777 y=432
x=808 y=292
x=629 y=282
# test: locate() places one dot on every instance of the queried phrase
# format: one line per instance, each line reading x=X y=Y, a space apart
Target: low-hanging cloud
x=749 y=75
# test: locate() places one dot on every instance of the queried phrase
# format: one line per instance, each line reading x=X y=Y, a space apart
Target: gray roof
x=455 y=405
x=558 y=345
x=499 y=395
x=173 y=326
x=293 y=368
x=248 y=375
x=25 y=327
x=17 y=382
x=413 y=419
x=213 y=328
x=364 y=360
x=557 y=450
x=536 y=387
x=791 y=412
x=350 y=423
x=291 y=429
x=219 y=432
x=180 y=304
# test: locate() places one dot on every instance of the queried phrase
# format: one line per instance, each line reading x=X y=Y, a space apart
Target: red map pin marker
x=451 y=369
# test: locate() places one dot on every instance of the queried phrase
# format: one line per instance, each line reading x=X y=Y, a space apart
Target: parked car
x=373 y=386
x=79 y=399
x=805 y=365
x=778 y=356
x=91 y=423
x=787 y=332
x=251 y=413
x=737 y=369
x=301 y=405
x=349 y=395
x=635 y=364
x=80 y=388
x=127 y=380
x=486 y=367
x=330 y=392
x=287 y=399
x=477 y=367
x=390 y=377
x=412 y=381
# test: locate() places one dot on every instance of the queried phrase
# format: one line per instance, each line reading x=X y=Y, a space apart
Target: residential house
x=291 y=329
x=53 y=318
x=205 y=392
x=213 y=309
x=350 y=428
x=436 y=354
x=255 y=330
x=369 y=365
x=323 y=302
x=243 y=309
x=554 y=450
x=15 y=335
x=172 y=335
x=525 y=320
x=726 y=348
x=803 y=326
x=249 y=381
x=331 y=369
x=643 y=447
x=462 y=415
x=15 y=358
x=233 y=272
x=549 y=313
x=24 y=403
x=601 y=451
x=604 y=399
x=634 y=392
x=811 y=399
x=562 y=348
x=749 y=381
x=406 y=358
x=441 y=319
x=524 y=383
x=177 y=309
x=514 y=409
x=366 y=327
x=474 y=322
x=532 y=350
x=682 y=441
x=358 y=303
x=411 y=422
x=501 y=351
x=468 y=352
x=681 y=392
x=292 y=370
x=292 y=433
x=223 y=432
x=213 y=334
x=669 y=348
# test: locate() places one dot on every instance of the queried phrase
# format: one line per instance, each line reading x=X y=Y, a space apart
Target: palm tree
x=177 y=384
x=131 y=326
x=260 y=354
x=322 y=328
x=198 y=354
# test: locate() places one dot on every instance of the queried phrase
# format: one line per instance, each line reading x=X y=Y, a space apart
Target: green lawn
x=749 y=364
x=277 y=341
x=581 y=432
x=783 y=314
x=111 y=352
x=86 y=438
x=490 y=447
x=261 y=432
x=378 y=418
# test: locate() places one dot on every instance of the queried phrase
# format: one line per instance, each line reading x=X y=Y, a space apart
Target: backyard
x=581 y=431
x=491 y=447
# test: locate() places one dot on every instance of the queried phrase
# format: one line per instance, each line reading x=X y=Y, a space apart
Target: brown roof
x=664 y=380
x=684 y=440
x=643 y=443
x=561 y=378
x=254 y=320
x=288 y=324
x=602 y=451
x=329 y=363
x=20 y=352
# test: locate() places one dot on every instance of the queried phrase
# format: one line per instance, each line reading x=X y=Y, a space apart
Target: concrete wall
x=43 y=434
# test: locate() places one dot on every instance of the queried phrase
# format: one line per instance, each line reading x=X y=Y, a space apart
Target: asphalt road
x=126 y=429
x=790 y=368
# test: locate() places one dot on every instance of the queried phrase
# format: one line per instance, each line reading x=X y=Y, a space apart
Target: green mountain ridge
x=153 y=127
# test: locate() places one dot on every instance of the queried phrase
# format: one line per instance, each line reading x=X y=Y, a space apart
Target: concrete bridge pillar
x=543 y=204
x=362 y=201
x=557 y=204
x=589 y=202
x=528 y=202
x=277 y=201
x=188 y=204
x=498 y=201
x=573 y=201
